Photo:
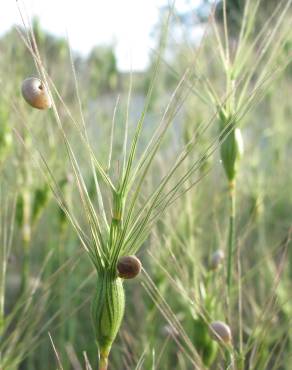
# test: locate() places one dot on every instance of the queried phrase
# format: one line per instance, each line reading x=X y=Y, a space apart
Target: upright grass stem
x=231 y=151
x=26 y=240
x=231 y=233
x=103 y=361
x=2 y=297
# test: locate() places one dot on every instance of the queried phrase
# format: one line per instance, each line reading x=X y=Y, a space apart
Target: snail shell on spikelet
x=221 y=332
x=128 y=267
x=35 y=93
x=216 y=259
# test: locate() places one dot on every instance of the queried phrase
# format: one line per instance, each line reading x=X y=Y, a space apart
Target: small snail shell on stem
x=35 y=93
x=221 y=331
x=128 y=267
x=216 y=259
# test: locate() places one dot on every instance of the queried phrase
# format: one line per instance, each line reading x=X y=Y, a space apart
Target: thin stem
x=62 y=292
x=2 y=299
x=26 y=239
x=103 y=361
x=25 y=267
x=229 y=359
x=241 y=358
x=231 y=234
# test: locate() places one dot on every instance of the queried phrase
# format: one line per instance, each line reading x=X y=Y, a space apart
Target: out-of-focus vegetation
x=234 y=62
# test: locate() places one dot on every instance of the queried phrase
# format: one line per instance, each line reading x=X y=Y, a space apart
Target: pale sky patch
x=125 y=23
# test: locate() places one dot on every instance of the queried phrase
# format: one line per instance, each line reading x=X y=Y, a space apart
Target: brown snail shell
x=221 y=331
x=216 y=259
x=35 y=93
x=128 y=267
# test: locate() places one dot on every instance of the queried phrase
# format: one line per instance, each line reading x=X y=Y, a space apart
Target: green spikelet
x=41 y=197
x=19 y=210
x=231 y=150
x=205 y=346
x=107 y=313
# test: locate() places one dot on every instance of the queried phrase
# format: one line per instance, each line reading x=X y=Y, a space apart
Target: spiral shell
x=221 y=331
x=216 y=259
x=35 y=93
x=128 y=267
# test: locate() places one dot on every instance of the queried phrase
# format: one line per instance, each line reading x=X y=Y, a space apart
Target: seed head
x=107 y=312
x=231 y=150
x=221 y=331
x=128 y=267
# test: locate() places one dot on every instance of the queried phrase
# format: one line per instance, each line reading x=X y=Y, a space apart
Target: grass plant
x=160 y=177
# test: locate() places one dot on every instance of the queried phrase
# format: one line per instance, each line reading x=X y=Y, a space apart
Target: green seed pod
x=205 y=346
x=41 y=197
x=231 y=151
x=107 y=312
x=128 y=267
x=19 y=209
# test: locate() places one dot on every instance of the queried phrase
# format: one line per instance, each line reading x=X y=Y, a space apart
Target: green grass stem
x=231 y=234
